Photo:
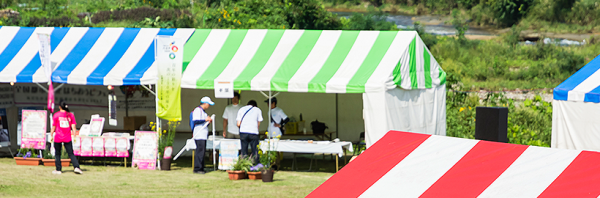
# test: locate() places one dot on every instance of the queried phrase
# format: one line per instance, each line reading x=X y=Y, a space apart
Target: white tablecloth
x=191 y=144
x=292 y=146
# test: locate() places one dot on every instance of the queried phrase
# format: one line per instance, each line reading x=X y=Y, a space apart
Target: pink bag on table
x=86 y=146
x=122 y=150
x=98 y=146
x=76 y=145
x=110 y=147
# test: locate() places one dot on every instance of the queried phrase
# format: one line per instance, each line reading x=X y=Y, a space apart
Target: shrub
x=140 y=14
x=509 y=12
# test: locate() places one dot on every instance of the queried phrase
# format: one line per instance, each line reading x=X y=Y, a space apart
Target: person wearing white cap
x=199 y=118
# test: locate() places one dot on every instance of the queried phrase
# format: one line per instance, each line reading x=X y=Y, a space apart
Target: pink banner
x=51 y=97
x=110 y=148
x=33 y=126
x=98 y=146
x=122 y=150
x=145 y=150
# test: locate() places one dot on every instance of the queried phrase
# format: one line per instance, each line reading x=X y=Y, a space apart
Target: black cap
x=273 y=99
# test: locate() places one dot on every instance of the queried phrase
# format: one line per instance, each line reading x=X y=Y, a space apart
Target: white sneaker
x=55 y=172
x=78 y=171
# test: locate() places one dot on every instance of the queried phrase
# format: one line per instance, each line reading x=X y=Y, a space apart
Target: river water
x=435 y=26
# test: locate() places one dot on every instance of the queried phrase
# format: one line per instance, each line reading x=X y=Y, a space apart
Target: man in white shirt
x=199 y=119
x=278 y=119
x=248 y=119
x=230 y=129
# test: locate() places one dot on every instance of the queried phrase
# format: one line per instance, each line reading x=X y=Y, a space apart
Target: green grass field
x=111 y=181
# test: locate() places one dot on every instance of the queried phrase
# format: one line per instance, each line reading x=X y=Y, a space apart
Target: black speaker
x=491 y=124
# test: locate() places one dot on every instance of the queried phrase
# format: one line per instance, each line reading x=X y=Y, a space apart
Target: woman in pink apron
x=63 y=124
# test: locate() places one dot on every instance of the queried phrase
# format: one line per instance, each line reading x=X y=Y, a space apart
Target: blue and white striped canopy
x=84 y=56
x=584 y=85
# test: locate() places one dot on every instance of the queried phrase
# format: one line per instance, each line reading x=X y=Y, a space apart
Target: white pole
x=269 y=126
x=156 y=104
x=157 y=126
x=213 y=143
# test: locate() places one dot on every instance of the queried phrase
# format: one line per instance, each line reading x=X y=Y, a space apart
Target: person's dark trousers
x=252 y=140
x=199 y=159
x=58 y=152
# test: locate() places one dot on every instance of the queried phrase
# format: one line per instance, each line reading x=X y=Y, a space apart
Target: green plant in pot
x=27 y=156
x=165 y=144
x=268 y=158
x=241 y=166
x=255 y=172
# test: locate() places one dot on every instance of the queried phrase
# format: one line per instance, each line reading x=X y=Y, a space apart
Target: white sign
x=228 y=154
x=45 y=54
x=223 y=89
x=112 y=110
x=96 y=126
x=84 y=130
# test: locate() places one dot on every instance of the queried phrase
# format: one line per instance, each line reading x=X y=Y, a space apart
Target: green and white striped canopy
x=319 y=61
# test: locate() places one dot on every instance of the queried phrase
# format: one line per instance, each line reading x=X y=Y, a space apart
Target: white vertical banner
x=47 y=65
x=169 y=62
x=45 y=54
x=112 y=109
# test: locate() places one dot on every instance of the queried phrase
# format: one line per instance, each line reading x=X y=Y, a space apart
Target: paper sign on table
x=96 y=126
x=84 y=130
x=110 y=147
x=228 y=153
x=145 y=150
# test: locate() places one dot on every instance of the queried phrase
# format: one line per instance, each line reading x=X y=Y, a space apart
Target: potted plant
x=255 y=172
x=165 y=144
x=49 y=160
x=241 y=166
x=268 y=158
x=27 y=157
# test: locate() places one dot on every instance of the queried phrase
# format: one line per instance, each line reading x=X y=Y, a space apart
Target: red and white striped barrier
x=403 y=164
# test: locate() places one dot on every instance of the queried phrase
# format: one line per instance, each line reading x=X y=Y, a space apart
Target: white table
x=296 y=146
x=130 y=138
x=190 y=144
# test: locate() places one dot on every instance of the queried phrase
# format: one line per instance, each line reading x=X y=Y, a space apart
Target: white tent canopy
x=402 y=84
x=576 y=108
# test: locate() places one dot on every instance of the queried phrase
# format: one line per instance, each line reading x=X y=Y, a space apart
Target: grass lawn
x=111 y=181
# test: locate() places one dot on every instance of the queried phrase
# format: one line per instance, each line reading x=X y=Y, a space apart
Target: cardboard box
x=291 y=128
x=133 y=122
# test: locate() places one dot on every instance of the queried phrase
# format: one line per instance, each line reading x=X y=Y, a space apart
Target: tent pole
x=42 y=87
x=269 y=118
x=58 y=87
x=336 y=117
x=158 y=125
